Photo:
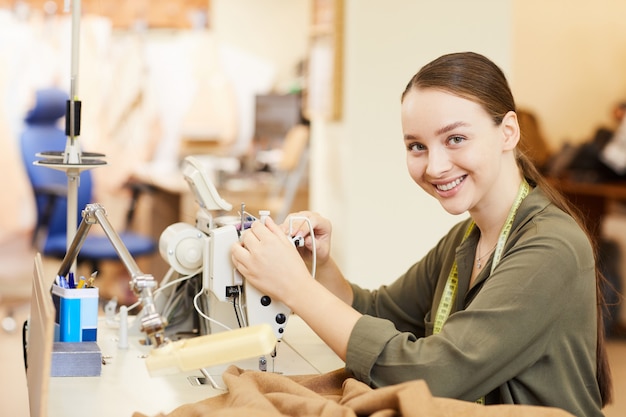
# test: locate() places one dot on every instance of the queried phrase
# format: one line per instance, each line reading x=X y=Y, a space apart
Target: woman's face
x=454 y=149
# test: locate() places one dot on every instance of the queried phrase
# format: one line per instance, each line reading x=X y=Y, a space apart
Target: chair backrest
x=41 y=133
x=295 y=142
x=291 y=171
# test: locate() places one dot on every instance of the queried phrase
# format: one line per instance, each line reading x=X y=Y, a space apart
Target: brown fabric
x=337 y=394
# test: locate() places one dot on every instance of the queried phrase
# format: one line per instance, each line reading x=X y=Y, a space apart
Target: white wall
x=382 y=221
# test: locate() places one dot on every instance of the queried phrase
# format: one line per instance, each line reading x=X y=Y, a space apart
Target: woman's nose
x=438 y=163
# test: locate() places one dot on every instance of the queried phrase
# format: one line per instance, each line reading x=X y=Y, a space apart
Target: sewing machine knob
x=281 y=318
x=266 y=300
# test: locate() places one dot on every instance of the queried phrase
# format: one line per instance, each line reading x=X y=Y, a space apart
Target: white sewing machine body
x=204 y=249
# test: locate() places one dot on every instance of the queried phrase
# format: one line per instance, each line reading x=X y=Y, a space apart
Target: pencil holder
x=76 y=318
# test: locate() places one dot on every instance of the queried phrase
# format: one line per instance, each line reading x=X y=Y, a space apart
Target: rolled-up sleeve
x=363 y=350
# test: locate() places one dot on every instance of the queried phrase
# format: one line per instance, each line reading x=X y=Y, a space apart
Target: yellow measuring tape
x=449 y=292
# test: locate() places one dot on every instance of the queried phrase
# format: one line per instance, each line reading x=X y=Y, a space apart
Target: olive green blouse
x=524 y=334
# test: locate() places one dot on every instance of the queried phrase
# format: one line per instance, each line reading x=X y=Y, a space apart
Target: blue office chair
x=42 y=133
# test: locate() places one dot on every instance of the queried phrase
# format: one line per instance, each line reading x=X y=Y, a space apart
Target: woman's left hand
x=268 y=259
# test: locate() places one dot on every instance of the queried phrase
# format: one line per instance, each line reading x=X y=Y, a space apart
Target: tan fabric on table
x=337 y=394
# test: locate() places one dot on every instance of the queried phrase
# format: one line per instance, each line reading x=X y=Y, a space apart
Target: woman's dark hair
x=474 y=77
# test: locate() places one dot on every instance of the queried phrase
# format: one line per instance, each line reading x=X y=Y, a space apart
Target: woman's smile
x=450 y=185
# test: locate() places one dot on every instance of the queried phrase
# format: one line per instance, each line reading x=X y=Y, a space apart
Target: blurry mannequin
x=17 y=219
x=210 y=123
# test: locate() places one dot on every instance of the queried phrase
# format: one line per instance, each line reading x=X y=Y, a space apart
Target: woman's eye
x=415 y=147
x=455 y=140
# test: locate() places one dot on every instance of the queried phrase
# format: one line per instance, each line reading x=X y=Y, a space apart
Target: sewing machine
x=203 y=250
x=206 y=247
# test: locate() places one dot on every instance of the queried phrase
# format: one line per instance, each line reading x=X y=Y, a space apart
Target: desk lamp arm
x=152 y=323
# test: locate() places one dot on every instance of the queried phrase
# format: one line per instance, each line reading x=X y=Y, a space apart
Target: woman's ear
x=510 y=130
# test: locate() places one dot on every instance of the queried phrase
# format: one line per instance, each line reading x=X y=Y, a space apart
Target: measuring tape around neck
x=449 y=292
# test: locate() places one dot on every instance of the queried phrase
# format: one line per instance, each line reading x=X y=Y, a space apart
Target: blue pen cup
x=76 y=318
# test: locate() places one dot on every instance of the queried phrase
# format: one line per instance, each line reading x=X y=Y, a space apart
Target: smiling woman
x=473 y=326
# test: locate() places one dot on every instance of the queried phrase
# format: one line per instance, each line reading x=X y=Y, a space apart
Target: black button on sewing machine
x=281 y=318
x=266 y=300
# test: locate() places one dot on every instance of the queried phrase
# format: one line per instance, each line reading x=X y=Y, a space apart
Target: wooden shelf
x=323 y=94
x=126 y=14
x=609 y=190
x=593 y=200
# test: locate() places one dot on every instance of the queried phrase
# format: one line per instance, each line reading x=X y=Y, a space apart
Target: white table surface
x=125 y=386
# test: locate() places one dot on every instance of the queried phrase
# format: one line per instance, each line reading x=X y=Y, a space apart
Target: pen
x=92 y=278
x=63 y=282
x=81 y=283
